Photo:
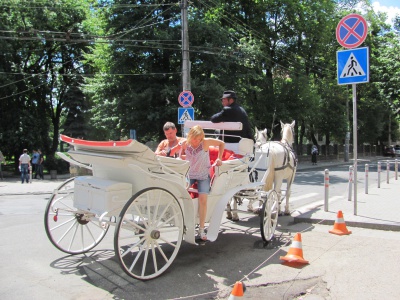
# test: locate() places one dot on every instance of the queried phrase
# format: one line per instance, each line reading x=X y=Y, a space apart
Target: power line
x=235 y=22
x=89 y=75
x=51 y=4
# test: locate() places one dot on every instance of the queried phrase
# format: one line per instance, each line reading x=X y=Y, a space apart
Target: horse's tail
x=270 y=173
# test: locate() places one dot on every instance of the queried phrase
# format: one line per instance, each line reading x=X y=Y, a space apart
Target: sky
x=391 y=7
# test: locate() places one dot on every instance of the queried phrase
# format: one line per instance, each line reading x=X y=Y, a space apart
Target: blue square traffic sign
x=185 y=113
x=353 y=66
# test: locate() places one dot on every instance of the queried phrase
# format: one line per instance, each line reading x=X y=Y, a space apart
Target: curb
x=365 y=225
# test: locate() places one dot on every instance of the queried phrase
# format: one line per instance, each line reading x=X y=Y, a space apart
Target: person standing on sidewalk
x=314 y=153
x=39 y=166
x=24 y=165
x=1 y=161
x=35 y=160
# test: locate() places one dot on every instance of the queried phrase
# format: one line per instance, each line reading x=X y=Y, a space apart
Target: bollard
x=396 y=167
x=387 y=171
x=351 y=168
x=326 y=189
x=366 y=178
x=379 y=174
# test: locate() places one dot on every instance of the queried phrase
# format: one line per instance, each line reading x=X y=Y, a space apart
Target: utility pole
x=185 y=47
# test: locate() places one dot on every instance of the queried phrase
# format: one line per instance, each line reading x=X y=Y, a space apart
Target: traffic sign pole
x=355 y=145
x=351 y=33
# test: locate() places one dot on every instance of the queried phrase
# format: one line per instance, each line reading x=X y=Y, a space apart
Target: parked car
x=389 y=151
x=397 y=150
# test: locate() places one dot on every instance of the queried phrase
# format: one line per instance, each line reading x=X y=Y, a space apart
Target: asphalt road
x=363 y=265
x=340 y=267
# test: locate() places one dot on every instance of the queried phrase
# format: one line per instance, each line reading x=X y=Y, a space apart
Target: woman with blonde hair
x=195 y=150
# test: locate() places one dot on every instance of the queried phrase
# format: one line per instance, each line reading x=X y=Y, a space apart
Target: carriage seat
x=245 y=147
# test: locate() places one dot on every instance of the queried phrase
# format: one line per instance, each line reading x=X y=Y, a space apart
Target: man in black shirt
x=232 y=112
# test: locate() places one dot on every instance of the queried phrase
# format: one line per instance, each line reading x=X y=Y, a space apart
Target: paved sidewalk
x=379 y=209
x=13 y=185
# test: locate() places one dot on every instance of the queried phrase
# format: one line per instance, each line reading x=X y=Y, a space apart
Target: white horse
x=282 y=161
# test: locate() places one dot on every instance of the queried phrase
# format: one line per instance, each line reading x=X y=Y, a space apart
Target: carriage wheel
x=69 y=229
x=149 y=233
x=269 y=216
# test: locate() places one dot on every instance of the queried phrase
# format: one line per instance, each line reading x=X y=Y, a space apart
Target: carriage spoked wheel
x=149 y=233
x=69 y=229
x=269 y=216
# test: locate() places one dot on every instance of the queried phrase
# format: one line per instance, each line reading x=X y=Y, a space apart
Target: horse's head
x=288 y=132
x=260 y=137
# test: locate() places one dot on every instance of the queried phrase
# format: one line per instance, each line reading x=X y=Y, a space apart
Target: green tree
x=44 y=43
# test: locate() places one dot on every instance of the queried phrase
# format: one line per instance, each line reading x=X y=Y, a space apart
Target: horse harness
x=286 y=159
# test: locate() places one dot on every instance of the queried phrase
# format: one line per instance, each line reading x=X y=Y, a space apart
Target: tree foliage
x=42 y=69
x=98 y=68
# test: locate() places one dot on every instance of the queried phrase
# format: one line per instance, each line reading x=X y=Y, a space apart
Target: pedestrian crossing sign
x=353 y=66
x=185 y=114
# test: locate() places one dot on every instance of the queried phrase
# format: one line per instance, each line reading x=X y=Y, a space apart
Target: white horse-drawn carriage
x=148 y=199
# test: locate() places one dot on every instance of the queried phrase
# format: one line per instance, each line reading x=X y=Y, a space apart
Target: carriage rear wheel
x=269 y=216
x=149 y=233
x=69 y=229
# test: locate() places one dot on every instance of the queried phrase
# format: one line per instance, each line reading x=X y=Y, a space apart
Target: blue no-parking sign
x=351 y=31
x=353 y=66
x=186 y=99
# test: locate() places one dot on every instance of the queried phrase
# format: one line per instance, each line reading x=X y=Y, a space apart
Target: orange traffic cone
x=237 y=291
x=295 y=253
x=340 y=226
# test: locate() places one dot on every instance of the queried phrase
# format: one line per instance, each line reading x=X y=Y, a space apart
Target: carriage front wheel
x=69 y=229
x=269 y=216
x=149 y=233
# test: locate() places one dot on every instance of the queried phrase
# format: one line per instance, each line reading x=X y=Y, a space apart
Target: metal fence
x=337 y=152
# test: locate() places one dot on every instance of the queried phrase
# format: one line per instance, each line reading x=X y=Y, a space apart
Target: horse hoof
x=235 y=218
x=250 y=209
x=257 y=211
x=229 y=216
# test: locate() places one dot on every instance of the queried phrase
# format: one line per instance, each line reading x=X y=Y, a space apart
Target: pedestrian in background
x=35 y=160
x=39 y=167
x=24 y=165
x=1 y=161
x=314 y=153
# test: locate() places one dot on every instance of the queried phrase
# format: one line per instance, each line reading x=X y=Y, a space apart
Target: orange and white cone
x=295 y=253
x=340 y=226
x=237 y=291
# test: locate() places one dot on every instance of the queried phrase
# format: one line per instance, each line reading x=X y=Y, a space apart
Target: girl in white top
x=195 y=150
